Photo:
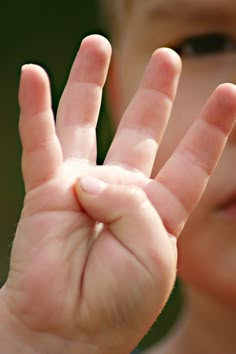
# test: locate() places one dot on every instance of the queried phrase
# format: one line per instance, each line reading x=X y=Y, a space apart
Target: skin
x=81 y=224
x=206 y=248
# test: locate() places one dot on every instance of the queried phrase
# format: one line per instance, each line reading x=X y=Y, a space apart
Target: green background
x=49 y=34
x=46 y=33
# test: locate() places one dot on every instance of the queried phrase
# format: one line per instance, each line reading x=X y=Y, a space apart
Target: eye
x=205 y=44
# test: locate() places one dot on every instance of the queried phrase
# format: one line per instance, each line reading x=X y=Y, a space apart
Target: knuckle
x=135 y=196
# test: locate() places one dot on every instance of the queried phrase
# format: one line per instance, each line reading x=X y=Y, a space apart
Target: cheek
x=200 y=76
x=184 y=111
x=206 y=247
x=198 y=81
x=131 y=64
x=205 y=263
x=192 y=241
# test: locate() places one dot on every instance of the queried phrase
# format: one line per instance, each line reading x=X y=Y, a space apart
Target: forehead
x=182 y=8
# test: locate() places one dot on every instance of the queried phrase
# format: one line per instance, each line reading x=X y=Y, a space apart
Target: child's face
x=204 y=33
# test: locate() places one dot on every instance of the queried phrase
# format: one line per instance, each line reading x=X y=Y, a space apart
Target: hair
x=112 y=17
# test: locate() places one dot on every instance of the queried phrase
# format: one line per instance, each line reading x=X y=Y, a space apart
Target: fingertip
x=90 y=185
x=227 y=93
x=170 y=59
x=34 y=90
x=220 y=109
x=33 y=70
x=99 y=42
x=93 y=59
x=163 y=72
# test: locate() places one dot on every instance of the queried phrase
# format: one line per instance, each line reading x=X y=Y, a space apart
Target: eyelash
x=205 y=44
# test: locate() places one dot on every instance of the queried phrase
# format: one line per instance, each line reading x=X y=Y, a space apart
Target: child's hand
x=94 y=257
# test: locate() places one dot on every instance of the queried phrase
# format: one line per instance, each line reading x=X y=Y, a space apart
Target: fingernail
x=92 y=185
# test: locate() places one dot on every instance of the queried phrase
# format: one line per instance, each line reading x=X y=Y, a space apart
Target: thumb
x=131 y=218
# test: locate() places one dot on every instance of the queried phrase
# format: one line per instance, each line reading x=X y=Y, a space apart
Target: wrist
x=16 y=337
x=11 y=331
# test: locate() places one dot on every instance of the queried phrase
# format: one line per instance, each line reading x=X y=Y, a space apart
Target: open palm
x=94 y=257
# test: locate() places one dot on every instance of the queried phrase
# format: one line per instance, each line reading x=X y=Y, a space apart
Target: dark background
x=49 y=34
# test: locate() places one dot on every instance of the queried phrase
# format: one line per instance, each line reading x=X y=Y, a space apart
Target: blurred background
x=47 y=33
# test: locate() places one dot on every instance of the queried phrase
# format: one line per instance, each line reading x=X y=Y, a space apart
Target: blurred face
x=204 y=34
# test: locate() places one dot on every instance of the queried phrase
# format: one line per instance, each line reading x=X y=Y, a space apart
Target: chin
x=206 y=257
x=214 y=286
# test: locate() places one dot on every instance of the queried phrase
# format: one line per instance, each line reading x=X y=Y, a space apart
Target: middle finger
x=142 y=126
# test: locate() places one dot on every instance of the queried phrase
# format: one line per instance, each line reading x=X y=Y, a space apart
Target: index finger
x=80 y=102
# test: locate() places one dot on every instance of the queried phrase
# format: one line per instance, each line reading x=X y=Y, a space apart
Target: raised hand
x=94 y=257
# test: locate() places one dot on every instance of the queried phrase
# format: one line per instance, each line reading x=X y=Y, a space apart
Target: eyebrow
x=193 y=10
